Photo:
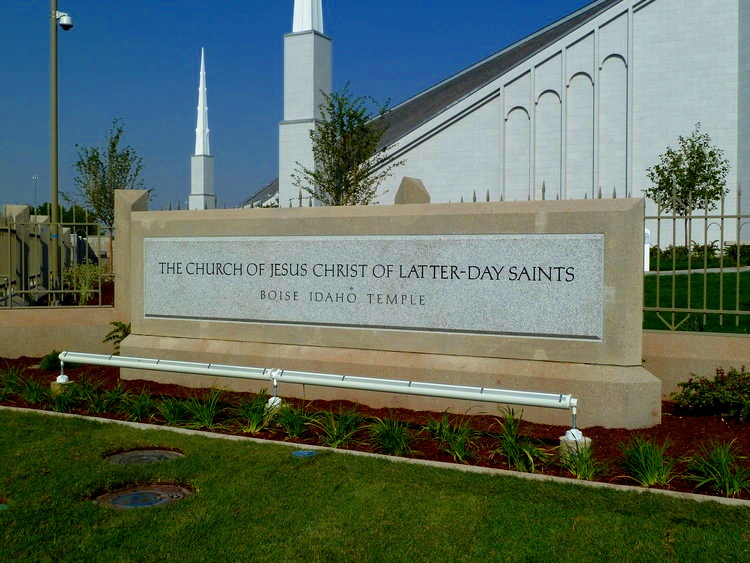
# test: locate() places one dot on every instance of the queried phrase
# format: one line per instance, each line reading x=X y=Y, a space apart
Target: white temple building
x=202 y=195
x=586 y=103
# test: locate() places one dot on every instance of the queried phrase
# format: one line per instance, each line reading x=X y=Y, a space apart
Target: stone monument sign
x=536 y=296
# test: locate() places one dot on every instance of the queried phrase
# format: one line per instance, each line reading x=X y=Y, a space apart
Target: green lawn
x=679 y=285
x=255 y=501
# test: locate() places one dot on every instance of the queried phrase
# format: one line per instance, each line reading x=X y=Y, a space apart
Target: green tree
x=688 y=179
x=101 y=171
x=350 y=165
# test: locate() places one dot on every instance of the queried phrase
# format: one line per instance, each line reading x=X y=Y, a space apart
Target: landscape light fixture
x=66 y=23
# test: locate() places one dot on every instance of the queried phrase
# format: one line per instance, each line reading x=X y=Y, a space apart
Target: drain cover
x=144 y=497
x=304 y=453
x=142 y=457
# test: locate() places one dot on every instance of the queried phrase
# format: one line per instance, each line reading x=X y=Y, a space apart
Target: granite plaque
x=540 y=285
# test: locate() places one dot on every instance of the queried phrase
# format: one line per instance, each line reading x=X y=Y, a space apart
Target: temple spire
x=308 y=16
x=202 y=194
x=202 y=146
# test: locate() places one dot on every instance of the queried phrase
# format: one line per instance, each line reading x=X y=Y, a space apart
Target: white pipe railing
x=276 y=375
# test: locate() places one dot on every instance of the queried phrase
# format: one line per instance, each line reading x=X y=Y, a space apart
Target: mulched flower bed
x=683 y=434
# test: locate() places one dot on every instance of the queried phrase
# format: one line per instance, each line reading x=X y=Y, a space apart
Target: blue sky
x=139 y=61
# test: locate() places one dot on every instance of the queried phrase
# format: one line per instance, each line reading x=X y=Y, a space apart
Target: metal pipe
x=276 y=375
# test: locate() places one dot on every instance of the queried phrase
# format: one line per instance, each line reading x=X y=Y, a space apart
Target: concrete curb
x=424 y=462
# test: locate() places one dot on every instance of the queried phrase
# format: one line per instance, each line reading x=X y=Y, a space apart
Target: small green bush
x=83 y=280
x=739 y=256
x=50 y=362
x=727 y=394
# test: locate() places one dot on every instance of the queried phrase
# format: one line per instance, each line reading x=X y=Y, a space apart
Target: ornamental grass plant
x=253 y=415
x=581 y=463
x=391 y=437
x=338 y=430
x=716 y=467
x=646 y=462
x=293 y=420
x=521 y=452
x=456 y=437
x=204 y=412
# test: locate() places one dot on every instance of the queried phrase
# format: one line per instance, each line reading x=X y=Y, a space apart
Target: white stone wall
x=459 y=161
x=685 y=70
x=597 y=108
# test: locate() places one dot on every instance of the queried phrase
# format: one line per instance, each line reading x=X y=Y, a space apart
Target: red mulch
x=683 y=433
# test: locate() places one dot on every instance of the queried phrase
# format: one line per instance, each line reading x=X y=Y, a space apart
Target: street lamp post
x=65 y=21
x=35 y=178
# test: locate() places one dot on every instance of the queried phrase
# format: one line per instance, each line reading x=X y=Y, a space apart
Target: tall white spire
x=308 y=70
x=202 y=194
x=308 y=16
x=202 y=146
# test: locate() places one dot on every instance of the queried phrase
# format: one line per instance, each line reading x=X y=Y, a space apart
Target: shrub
x=727 y=393
x=50 y=362
x=83 y=280
x=715 y=466
x=732 y=252
x=646 y=463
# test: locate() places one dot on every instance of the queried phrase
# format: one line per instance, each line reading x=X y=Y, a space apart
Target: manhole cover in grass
x=304 y=453
x=144 y=497
x=142 y=457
